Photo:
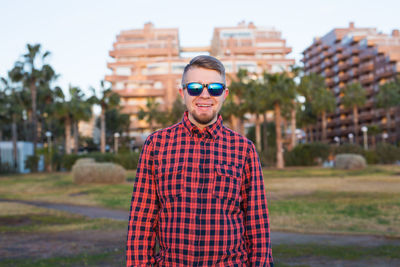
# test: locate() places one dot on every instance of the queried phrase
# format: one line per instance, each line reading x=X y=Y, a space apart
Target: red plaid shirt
x=201 y=194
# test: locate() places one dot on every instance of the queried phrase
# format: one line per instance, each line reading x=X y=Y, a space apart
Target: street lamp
x=337 y=140
x=116 y=136
x=385 y=136
x=48 y=135
x=364 y=129
x=351 y=136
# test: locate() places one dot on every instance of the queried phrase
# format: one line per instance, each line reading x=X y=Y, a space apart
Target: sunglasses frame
x=184 y=86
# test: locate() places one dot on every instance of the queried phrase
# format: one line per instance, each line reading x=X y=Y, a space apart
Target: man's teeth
x=204 y=105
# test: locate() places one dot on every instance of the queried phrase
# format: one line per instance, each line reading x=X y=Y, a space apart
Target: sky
x=80 y=34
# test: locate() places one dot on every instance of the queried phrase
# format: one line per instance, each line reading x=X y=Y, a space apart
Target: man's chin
x=205 y=120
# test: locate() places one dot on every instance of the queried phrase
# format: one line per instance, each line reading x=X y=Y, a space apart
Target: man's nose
x=205 y=93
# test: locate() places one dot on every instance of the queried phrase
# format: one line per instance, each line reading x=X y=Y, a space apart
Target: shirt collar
x=213 y=129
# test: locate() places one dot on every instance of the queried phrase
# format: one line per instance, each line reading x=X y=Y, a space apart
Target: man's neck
x=199 y=125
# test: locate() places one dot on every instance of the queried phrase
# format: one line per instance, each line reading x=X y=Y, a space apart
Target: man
x=199 y=187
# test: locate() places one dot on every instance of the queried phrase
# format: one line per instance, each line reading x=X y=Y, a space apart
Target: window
x=124 y=71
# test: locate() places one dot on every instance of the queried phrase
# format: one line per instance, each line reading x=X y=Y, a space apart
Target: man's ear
x=226 y=93
x=181 y=92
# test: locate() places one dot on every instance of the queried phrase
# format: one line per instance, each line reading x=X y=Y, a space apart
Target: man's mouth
x=204 y=105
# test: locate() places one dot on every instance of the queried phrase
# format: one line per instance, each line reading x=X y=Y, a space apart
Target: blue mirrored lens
x=215 y=89
x=194 y=89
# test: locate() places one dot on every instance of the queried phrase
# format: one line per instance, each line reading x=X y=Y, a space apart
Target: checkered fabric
x=201 y=194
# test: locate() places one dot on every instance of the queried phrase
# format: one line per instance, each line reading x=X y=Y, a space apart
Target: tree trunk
x=310 y=131
x=293 y=128
x=14 y=140
x=258 y=132
x=265 y=133
x=68 y=135
x=76 y=138
x=373 y=140
x=323 y=118
x=280 y=164
x=355 y=119
x=103 y=130
x=33 y=90
x=388 y=120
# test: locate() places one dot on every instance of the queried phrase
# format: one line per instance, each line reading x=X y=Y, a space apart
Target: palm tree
x=388 y=97
x=32 y=77
x=306 y=118
x=373 y=131
x=234 y=108
x=177 y=110
x=255 y=102
x=62 y=110
x=108 y=100
x=323 y=102
x=280 y=89
x=81 y=111
x=152 y=114
x=12 y=111
x=354 y=97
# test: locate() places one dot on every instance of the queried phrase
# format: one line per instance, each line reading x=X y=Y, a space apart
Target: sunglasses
x=195 y=89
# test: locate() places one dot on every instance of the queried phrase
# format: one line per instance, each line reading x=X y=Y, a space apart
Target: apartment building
x=149 y=62
x=364 y=55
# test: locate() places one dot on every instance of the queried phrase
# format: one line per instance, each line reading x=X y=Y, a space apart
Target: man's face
x=203 y=109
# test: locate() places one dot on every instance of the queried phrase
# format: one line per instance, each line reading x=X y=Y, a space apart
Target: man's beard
x=204 y=120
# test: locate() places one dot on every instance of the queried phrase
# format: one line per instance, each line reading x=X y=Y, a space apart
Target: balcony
x=141 y=92
x=343 y=66
x=354 y=61
x=367 y=67
x=366 y=54
x=115 y=78
x=367 y=78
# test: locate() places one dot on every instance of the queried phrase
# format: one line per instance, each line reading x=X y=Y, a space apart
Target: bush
x=268 y=158
x=371 y=156
x=69 y=160
x=32 y=163
x=387 y=153
x=307 y=154
x=348 y=149
x=127 y=160
x=350 y=162
x=92 y=172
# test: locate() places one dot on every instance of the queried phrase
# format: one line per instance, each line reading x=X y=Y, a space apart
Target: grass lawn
x=312 y=199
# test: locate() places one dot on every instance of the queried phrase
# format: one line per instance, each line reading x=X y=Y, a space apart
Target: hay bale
x=93 y=172
x=350 y=162
x=82 y=161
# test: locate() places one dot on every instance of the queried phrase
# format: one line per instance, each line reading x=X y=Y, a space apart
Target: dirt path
x=45 y=245
x=276 y=237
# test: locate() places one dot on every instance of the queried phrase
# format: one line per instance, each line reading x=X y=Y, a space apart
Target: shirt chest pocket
x=226 y=182
x=170 y=181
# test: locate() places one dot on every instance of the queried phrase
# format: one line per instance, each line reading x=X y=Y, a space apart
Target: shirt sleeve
x=254 y=205
x=143 y=219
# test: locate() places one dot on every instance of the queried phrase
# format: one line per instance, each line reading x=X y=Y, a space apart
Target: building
x=364 y=55
x=149 y=62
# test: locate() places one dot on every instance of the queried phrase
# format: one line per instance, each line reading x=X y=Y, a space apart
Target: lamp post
x=116 y=136
x=48 y=135
x=337 y=140
x=364 y=129
x=351 y=137
x=384 y=137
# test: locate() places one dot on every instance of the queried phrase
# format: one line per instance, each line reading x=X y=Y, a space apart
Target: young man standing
x=199 y=187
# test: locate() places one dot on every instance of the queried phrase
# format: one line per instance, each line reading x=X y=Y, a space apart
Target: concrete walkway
x=276 y=237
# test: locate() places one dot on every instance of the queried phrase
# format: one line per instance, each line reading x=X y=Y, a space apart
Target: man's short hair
x=205 y=62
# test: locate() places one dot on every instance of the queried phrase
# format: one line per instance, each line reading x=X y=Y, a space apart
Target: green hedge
x=307 y=154
x=127 y=160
